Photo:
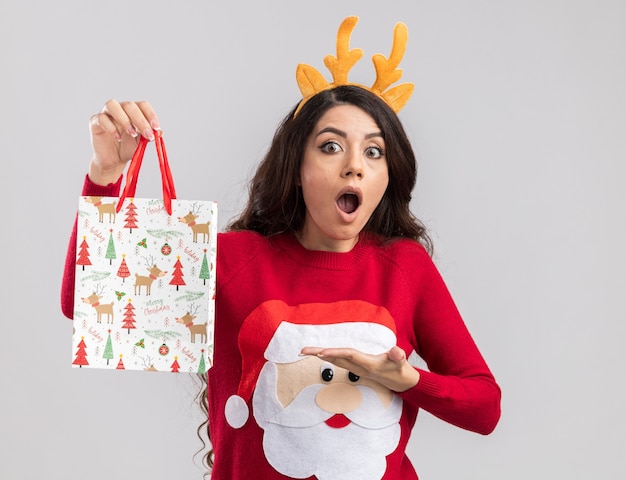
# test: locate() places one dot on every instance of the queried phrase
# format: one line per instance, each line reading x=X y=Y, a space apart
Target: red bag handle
x=167 y=181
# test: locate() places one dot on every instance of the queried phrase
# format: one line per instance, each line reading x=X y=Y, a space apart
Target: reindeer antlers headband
x=311 y=82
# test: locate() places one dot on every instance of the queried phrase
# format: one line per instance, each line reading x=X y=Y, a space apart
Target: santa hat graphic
x=276 y=332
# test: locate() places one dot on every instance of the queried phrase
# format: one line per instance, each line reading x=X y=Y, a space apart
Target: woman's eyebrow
x=336 y=131
x=343 y=134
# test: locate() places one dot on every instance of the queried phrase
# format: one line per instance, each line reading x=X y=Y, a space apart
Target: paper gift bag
x=145 y=279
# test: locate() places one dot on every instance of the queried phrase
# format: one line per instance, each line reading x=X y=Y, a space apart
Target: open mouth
x=348 y=202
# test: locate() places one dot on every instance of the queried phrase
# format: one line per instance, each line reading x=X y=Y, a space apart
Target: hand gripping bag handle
x=167 y=181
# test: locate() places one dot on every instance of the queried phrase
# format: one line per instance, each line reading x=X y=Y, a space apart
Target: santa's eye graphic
x=327 y=373
x=353 y=377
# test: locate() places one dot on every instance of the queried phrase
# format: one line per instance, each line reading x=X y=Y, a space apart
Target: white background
x=519 y=122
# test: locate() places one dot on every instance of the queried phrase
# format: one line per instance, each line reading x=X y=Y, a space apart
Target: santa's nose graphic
x=338 y=398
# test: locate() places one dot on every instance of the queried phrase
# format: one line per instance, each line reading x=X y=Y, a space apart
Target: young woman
x=325 y=285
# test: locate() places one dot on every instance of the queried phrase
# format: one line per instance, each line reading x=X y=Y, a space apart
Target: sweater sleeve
x=458 y=386
x=69 y=271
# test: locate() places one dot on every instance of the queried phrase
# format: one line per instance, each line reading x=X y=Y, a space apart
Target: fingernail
x=148 y=133
x=155 y=125
x=131 y=131
x=118 y=137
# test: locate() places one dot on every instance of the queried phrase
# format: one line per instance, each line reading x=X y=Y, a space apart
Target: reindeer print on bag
x=187 y=321
x=196 y=228
x=101 y=308
x=103 y=208
x=145 y=285
x=146 y=281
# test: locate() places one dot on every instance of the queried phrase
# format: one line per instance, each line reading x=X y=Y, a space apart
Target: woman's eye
x=327 y=374
x=353 y=377
x=330 y=147
x=374 y=152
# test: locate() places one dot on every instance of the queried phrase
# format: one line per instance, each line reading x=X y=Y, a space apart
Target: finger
x=332 y=354
x=101 y=123
x=140 y=124
x=347 y=353
x=150 y=115
x=396 y=355
x=328 y=354
x=310 y=351
x=117 y=115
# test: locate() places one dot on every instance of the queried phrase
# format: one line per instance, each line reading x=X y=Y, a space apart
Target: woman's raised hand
x=390 y=369
x=115 y=133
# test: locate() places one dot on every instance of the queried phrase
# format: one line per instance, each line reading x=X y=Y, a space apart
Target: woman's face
x=343 y=177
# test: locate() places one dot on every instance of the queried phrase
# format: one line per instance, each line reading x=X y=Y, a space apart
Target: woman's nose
x=354 y=165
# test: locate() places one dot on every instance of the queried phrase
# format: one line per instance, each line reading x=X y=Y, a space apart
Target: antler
x=150 y=261
x=146 y=361
x=312 y=82
x=387 y=72
x=193 y=308
x=195 y=208
x=98 y=289
x=340 y=65
x=386 y=68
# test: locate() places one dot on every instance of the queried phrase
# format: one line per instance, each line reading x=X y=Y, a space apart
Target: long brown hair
x=275 y=203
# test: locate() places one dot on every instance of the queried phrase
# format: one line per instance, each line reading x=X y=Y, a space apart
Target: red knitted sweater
x=277 y=276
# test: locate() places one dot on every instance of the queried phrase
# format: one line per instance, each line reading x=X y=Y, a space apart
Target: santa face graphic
x=317 y=419
x=334 y=426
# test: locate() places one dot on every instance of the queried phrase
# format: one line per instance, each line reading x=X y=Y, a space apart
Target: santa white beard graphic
x=298 y=443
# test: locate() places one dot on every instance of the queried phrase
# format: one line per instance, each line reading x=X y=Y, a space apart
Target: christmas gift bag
x=145 y=278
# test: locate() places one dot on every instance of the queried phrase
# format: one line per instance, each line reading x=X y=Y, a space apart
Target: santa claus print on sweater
x=317 y=419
